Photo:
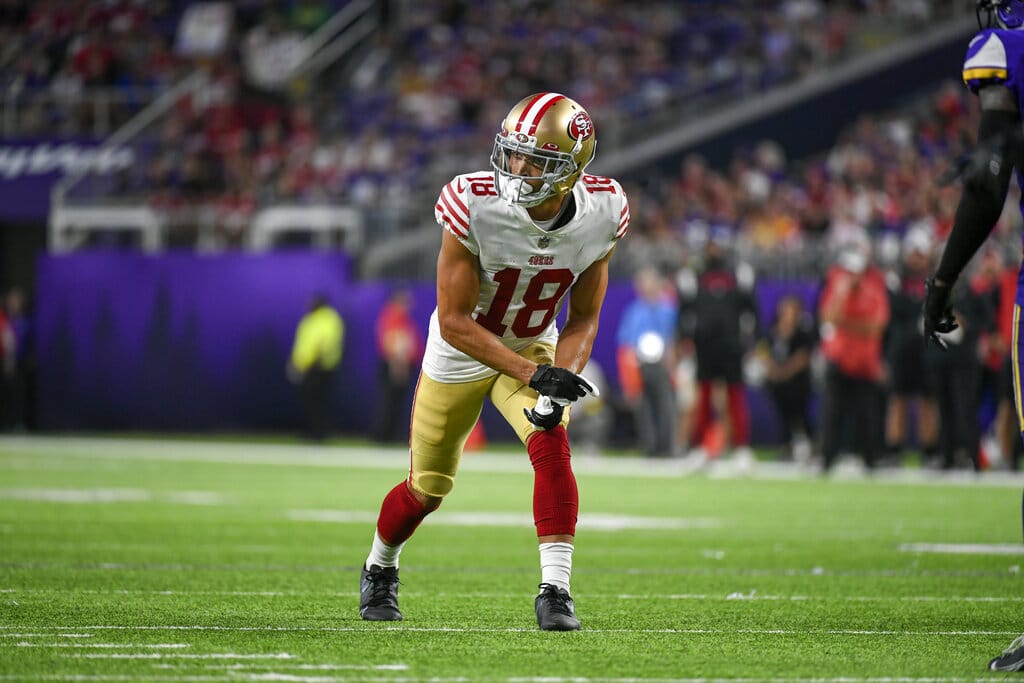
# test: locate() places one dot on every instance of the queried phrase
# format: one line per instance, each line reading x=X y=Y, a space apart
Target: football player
x=993 y=69
x=516 y=242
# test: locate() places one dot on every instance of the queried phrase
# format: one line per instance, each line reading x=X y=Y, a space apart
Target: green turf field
x=131 y=560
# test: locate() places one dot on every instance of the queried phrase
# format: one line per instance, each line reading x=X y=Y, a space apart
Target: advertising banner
x=30 y=168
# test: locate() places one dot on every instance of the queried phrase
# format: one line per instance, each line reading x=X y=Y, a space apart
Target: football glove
x=560 y=385
x=545 y=415
x=938 y=312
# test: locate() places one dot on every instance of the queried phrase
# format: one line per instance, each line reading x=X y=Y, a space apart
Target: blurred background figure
x=786 y=353
x=8 y=366
x=956 y=372
x=592 y=415
x=910 y=383
x=19 y=400
x=399 y=349
x=853 y=313
x=994 y=282
x=316 y=354
x=718 y=315
x=646 y=340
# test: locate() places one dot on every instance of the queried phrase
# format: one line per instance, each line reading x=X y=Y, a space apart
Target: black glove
x=938 y=312
x=559 y=383
x=545 y=422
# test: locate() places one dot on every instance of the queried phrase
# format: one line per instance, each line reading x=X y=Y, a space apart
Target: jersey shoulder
x=608 y=198
x=991 y=58
x=455 y=203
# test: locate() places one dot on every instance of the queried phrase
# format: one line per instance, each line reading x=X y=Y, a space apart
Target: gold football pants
x=444 y=414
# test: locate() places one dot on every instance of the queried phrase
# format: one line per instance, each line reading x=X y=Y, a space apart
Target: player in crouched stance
x=993 y=69
x=515 y=242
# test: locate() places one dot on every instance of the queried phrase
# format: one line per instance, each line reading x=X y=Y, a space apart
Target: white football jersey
x=525 y=271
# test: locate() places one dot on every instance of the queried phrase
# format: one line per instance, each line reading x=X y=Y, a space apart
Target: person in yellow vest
x=316 y=353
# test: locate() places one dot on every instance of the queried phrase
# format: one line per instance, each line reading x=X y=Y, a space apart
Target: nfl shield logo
x=544 y=241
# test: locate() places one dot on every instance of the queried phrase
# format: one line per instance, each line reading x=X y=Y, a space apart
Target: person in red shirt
x=854 y=313
x=399 y=349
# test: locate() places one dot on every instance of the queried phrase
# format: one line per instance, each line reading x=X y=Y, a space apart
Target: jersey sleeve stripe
x=448 y=223
x=454 y=215
x=449 y=190
x=982 y=73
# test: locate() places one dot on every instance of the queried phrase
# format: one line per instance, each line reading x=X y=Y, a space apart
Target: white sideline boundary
x=397 y=459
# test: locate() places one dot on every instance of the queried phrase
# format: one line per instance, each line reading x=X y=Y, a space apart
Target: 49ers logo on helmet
x=580 y=126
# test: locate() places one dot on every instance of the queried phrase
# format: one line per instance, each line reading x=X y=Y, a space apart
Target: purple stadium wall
x=191 y=342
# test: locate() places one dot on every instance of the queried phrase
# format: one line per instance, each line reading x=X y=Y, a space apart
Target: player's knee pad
x=555 y=496
x=432 y=484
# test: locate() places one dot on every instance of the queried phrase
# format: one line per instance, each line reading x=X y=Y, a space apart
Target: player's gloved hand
x=562 y=386
x=938 y=312
x=545 y=415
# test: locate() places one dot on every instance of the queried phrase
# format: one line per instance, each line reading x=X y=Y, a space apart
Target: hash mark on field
x=963 y=548
x=114 y=646
x=179 y=655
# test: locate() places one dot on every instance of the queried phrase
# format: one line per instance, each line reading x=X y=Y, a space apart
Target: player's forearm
x=976 y=215
x=575 y=344
x=986 y=182
x=467 y=336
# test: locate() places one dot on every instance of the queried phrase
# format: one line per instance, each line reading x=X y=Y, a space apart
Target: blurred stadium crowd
x=422 y=104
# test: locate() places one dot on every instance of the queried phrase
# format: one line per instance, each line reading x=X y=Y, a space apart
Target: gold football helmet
x=554 y=134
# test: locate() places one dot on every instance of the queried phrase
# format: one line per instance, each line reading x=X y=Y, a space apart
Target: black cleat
x=1012 y=658
x=378 y=594
x=555 y=609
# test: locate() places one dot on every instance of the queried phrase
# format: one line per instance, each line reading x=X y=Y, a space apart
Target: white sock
x=382 y=554
x=556 y=564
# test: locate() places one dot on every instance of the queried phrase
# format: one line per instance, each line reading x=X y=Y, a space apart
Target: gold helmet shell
x=556 y=135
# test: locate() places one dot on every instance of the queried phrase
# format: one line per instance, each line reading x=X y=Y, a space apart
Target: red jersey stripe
x=449 y=190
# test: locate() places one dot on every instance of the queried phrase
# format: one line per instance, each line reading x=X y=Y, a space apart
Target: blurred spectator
x=854 y=312
x=399 y=350
x=956 y=372
x=717 y=314
x=20 y=390
x=8 y=365
x=910 y=383
x=787 y=352
x=646 y=342
x=313 y=366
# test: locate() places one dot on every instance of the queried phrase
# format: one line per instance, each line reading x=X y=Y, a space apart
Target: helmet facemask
x=557 y=169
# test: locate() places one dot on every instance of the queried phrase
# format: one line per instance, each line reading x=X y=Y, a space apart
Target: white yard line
x=111 y=495
x=376 y=628
x=275 y=676
x=600 y=522
x=397 y=459
x=749 y=595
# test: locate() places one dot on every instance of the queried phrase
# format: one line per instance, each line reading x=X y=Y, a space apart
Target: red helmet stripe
x=535 y=110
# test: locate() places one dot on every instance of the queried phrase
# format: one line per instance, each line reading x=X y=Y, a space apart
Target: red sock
x=400 y=514
x=555 y=496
